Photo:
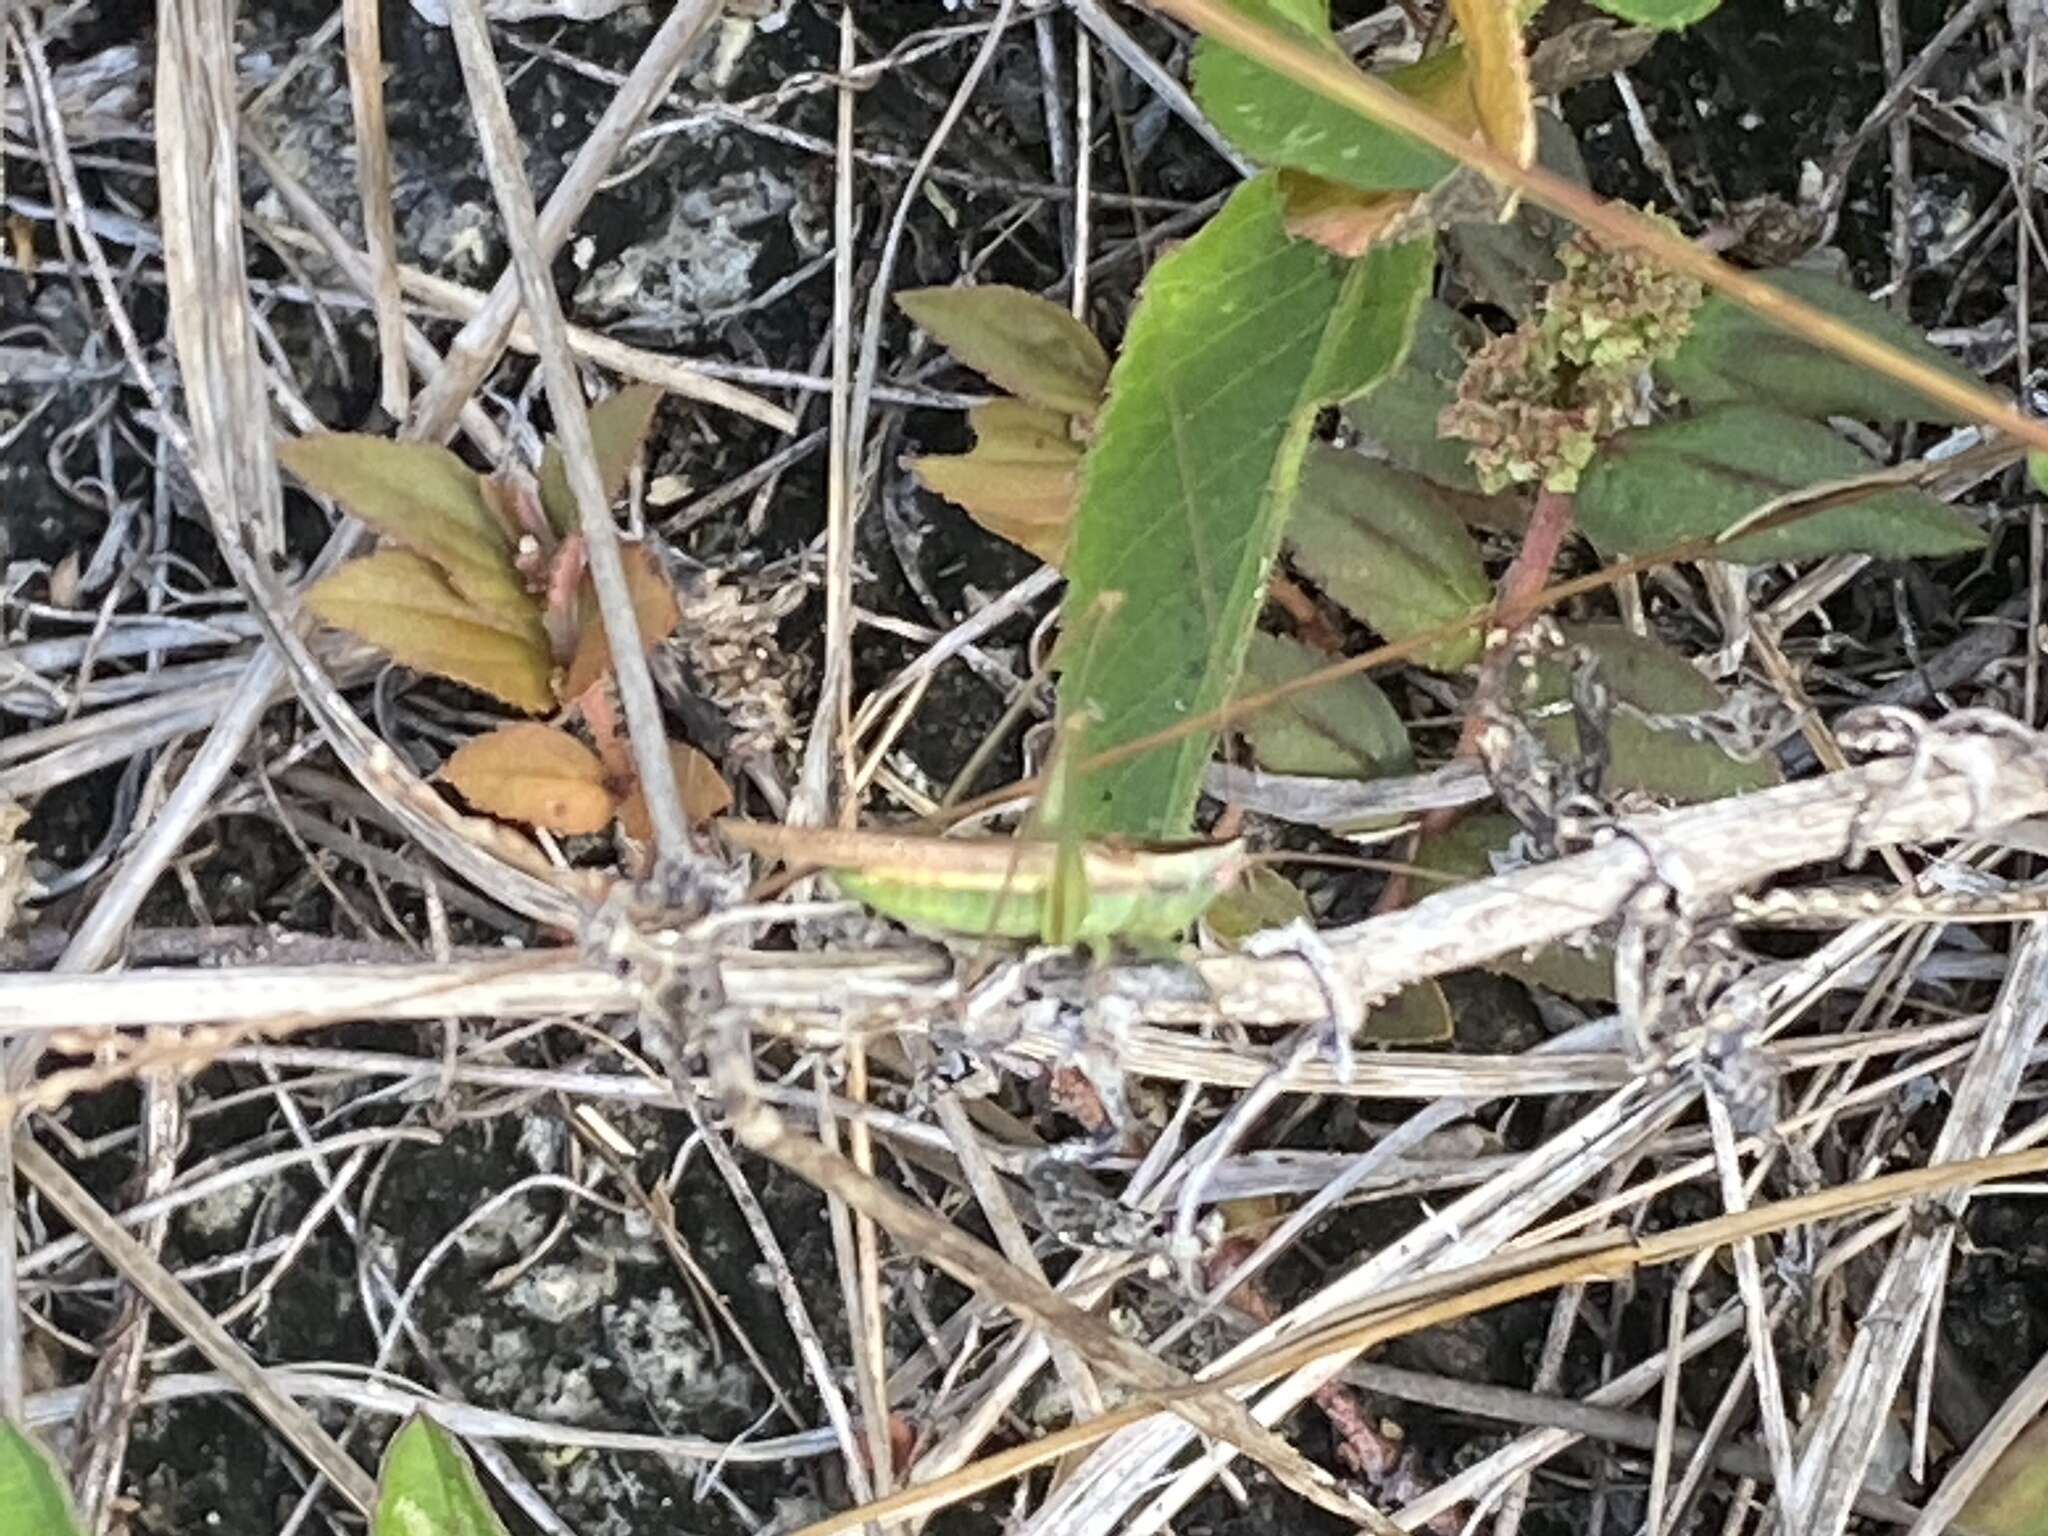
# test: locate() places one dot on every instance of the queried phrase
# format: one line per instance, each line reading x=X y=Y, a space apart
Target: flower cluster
x=1535 y=403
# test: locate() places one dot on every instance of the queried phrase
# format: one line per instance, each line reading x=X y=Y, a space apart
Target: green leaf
x=1287 y=126
x=404 y=606
x=619 y=425
x=1666 y=15
x=1511 y=264
x=1391 y=548
x=1018 y=341
x=1241 y=337
x=2037 y=470
x=419 y=496
x=1654 y=486
x=1666 y=761
x=1398 y=419
x=1418 y=1014
x=33 y=1501
x=1263 y=899
x=427 y=1487
x=1465 y=852
x=1734 y=356
x=1344 y=730
x=2012 y=1500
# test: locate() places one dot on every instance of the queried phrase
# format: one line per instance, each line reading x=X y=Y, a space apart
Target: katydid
x=1063 y=892
x=1038 y=885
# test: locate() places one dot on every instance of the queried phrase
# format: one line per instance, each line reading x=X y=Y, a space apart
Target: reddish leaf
x=535 y=774
x=654 y=610
x=618 y=427
x=704 y=793
x=515 y=503
x=1027 y=345
x=403 y=605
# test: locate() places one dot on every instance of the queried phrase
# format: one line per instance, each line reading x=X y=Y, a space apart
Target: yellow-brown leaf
x=704 y=793
x=618 y=429
x=1020 y=430
x=535 y=774
x=1021 y=479
x=1018 y=341
x=1340 y=219
x=404 y=606
x=654 y=610
x=418 y=495
x=1028 y=502
x=1497 y=66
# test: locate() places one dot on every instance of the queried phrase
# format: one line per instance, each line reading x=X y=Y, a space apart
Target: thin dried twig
x=182 y=1310
x=363 y=31
x=1842 y=1436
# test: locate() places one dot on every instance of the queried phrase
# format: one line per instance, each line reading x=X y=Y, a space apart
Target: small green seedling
x=32 y=1497
x=427 y=1487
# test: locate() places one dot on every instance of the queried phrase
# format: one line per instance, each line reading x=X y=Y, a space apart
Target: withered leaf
x=1340 y=219
x=704 y=792
x=1018 y=341
x=418 y=495
x=1019 y=482
x=619 y=426
x=403 y=605
x=1497 y=65
x=536 y=774
x=654 y=610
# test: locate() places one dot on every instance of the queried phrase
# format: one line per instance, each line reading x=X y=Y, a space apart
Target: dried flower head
x=1531 y=417
x=727 y=645
x=1535 y=403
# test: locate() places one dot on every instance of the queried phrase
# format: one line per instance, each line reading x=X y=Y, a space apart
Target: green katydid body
x=1020 y=888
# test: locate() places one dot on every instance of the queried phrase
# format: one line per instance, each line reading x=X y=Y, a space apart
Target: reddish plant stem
x=1550 y=524
x=1384 y=1461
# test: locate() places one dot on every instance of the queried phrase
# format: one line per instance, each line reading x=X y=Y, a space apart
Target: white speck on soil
x=512 y=1227
x=223 y=1212
x=657 y=1342
x=555 y=1293
x=703 y=261
x=540 y=1142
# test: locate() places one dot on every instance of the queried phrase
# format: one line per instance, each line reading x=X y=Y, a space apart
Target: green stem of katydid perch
x=1331 y=75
